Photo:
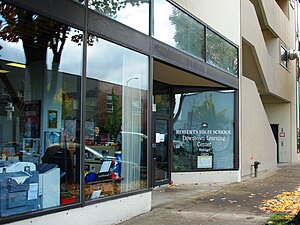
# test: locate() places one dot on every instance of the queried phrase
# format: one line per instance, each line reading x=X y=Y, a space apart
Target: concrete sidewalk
x=213 y=204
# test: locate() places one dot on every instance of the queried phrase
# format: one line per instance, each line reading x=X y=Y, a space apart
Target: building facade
x=102 y=100
x=268 y=30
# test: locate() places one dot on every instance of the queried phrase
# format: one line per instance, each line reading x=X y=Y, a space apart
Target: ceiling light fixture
x=18 y=65
x=4 y=71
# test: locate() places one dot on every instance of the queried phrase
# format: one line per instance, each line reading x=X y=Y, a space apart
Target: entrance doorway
x=275 y=130
x=167 y=82
x=161 y=134
x=161 y=150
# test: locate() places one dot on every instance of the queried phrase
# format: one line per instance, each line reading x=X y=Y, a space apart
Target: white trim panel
x=206 y=177
x=105 y=213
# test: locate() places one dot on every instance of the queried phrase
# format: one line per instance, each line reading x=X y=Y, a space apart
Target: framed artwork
x=31 y=145
x=27 y=143
x=52 y=118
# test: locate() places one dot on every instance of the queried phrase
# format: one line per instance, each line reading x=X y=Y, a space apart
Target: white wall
x=105 y=213
x=221 y=15
x=206 y=177
x=257 y=140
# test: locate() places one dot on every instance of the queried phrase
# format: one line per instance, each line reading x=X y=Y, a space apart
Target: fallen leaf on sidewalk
x=286 y=202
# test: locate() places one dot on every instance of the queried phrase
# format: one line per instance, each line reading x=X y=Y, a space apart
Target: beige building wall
x=269 y=87
x=284 y=115
x=221 y=15
x=279 y=19
x=257 y=140
x=272 y=78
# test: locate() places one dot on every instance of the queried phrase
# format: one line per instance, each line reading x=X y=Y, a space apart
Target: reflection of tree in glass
x=111 y=7
x=114 y=118
x=218 y=120
x=220 y=53
x=189 y=35
x=162 y=103
x=206 y=112
x=65 y=100
x=38 y=33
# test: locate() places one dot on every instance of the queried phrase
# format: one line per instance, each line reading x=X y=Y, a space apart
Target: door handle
x=154 y=151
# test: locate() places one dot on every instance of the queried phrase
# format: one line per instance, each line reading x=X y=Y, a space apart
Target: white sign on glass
x=159 y=138
x=204 y=161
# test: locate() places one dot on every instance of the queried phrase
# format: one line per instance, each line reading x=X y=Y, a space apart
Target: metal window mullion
x=236 y=152
x=82 y=108
x=151 y=18
x=205 y=44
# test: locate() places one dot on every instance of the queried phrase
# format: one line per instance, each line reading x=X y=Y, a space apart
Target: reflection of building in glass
x=96 y=108
x=206 y=127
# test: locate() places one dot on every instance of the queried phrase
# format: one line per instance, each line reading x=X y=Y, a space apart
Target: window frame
x=284 y=62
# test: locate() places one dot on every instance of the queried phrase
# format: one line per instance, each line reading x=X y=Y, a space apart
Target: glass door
x=161 y=150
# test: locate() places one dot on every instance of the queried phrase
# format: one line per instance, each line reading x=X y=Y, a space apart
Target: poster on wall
x=32 y=119
x=205 y=161
x=52 y=118
x=52 y=138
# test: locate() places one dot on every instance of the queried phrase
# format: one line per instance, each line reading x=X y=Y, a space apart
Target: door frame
x=155 y=182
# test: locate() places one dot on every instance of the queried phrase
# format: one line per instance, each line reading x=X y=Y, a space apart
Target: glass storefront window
x=203 y=131
x=162 y=103
x=133 y=13
x=116 y=120
x=174 y=27
x=220 y=53
x=40 y=78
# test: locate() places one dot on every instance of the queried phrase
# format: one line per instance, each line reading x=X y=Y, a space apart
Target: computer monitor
x=105 y=167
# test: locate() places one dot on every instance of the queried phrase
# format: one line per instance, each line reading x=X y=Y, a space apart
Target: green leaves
x=207 y=112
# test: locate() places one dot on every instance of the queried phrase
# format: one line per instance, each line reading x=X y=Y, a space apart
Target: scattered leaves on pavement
x=286 y=202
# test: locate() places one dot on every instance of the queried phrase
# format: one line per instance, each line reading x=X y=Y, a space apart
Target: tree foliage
x=38 y=33
x=114 y=118
x=220 y=53
x=189 y=35
x=207 y=112
x=111 y=7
